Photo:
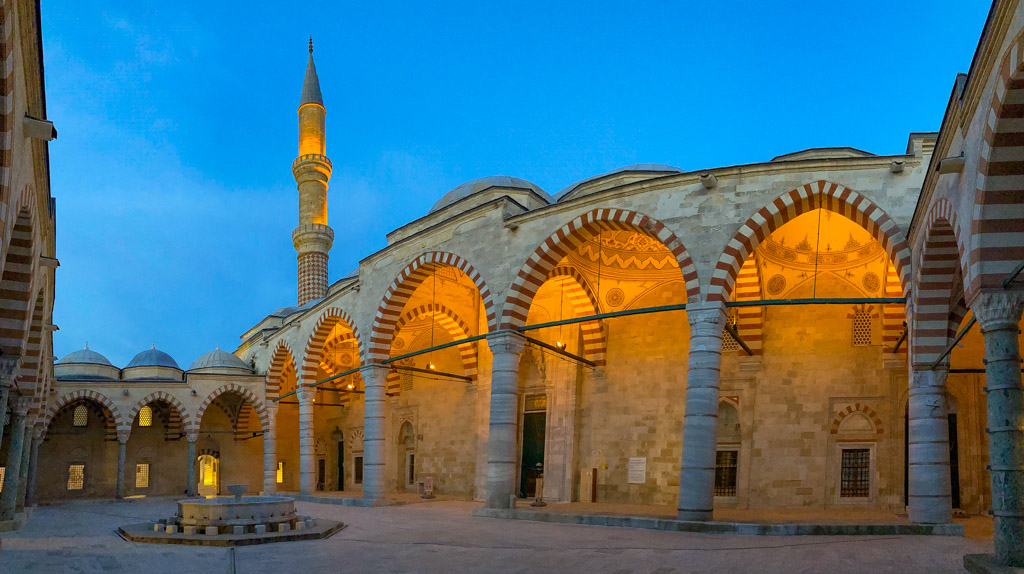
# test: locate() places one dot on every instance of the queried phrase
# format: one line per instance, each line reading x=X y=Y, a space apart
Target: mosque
x=828 y=329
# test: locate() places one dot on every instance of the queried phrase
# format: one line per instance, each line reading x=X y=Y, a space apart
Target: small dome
x=477 y=185
x=219 y=359
x=153 y=358
x=85 y=356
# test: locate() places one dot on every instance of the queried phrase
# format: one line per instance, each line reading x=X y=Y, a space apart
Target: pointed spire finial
x=154 y=345
x=310 y=45
x=218 y=345
x=87 y=345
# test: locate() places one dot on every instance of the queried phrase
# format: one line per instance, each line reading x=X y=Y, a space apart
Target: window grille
x=280 y=472
x=861 y=329
x=76 y=477
x=142 y=475
x=146 y=417
x=449 y=273
x=725 y=472
x=359 y=469
x=81 y=417
x=406 y=382
x=855 y=476
x=729 y=343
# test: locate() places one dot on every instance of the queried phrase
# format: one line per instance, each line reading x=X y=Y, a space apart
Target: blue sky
x=177 y=122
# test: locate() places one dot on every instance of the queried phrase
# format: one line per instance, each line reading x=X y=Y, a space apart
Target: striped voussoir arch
x=390 y=310
x=939 y=269
x=820 y=194
x=997 y=220
x=749 y=320
x=584 y=302
x=16 y=286
x=245 y=393
x=318 y=341
x=893 y=314
x=6 y=101
x=857 y=408
x=449 y=321
x=569 y=237
x=282 y=364
x=115 y=423
x=30 y=374
x=178 y=420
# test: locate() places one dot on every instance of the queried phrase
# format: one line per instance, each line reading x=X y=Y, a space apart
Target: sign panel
x=637 y=470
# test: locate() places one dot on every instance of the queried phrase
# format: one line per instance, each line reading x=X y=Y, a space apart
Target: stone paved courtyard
x=443 y=537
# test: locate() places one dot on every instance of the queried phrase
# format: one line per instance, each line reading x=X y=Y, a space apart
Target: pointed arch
x=939 y=286
x=749 y=320
x=820 y=194
x=449 y=321
x=16 y=284
x=997 y=218
x=537 y=268
x=245 y=393
x=115 y=422
x=181 y=422
x=584 y=302
x=390 y=310
x=331 y=318
x=282 y=362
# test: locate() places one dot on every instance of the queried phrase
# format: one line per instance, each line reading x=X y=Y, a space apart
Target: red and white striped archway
x=325 y=325
x=448 y=320
x=184 y=422
x=401 y=289
x=584 y=302
x=820 y=194
x=282 y=364
x=997 y=221
x=938 y=289
x=551 y=251
x=115 y=421
x=245 y=393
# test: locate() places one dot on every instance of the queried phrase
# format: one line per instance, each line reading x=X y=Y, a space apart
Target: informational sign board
x=637 y=470
x=428 y=486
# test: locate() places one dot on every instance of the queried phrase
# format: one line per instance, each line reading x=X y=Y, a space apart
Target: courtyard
x=442 y=536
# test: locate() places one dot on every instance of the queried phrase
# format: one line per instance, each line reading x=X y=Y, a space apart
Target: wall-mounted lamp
x=125 y=392
x=194 y=393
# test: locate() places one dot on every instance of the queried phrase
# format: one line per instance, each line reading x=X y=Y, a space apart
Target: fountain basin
x=225 y=511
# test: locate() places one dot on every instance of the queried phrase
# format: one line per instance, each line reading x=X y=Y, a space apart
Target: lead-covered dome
x=219 y=359
x=153 y=358
x=480 y=184
x=85 y=365
x=84 y=356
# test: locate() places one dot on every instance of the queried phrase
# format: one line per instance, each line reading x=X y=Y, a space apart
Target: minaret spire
x=312 y=171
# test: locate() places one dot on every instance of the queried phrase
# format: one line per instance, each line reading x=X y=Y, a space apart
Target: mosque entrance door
x=534 y=425
x=209 y=475
x=341 y=465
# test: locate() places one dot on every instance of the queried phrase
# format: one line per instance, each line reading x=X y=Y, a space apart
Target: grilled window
x=146 y=417
x=729 y=343
x=280 y=471
x=359 y=469
x=725 y=472
x=76 y=477
x=2 y=475
x=81 y=417
x=142 y=475
x=861 y=329
x=855 y=475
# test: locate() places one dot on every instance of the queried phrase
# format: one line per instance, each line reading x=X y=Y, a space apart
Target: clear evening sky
x=177 y=123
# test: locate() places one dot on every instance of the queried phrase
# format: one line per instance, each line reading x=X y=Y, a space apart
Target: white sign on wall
x=637 y=470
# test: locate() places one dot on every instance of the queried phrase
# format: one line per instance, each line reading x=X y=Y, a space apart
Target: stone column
x=122 y=453
x=9 y=497
x=270 y=452
x=4 y=393
x=374 y=381
x=506 y=347
x=307 y=456
x=930 y=500
x=999 y=316
x=190 y=470
x=697 y=472
x=26 y=455
x=33 y=465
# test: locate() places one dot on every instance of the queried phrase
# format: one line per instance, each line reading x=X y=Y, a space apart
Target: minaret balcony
x=312 y=160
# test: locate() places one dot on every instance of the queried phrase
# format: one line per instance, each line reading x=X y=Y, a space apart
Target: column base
x=695 y=515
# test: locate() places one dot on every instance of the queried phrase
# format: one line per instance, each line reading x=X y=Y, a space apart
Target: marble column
x=9 y=497
x=5 y=390
x=929 y=496
x=374 y=381
x=190 y=469
x=502 y=428
x=307 y=456
x=999 y=316
x=26 y=455
x=270 y=452
x=697 y=472
x=122 y=454
x=33 y=465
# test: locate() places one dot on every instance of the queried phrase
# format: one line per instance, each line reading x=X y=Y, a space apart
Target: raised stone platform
x=724 y=527
x=143 y=532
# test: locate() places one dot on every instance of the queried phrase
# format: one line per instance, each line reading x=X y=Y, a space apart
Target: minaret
x=312 y=170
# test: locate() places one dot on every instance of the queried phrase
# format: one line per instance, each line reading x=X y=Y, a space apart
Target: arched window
x=146 y=416
x=81 y=417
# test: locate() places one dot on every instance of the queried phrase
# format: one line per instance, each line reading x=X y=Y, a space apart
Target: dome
x=153 y=358
x=85 y=356
x=657 y=168
x=480 y=184
x=219 y=359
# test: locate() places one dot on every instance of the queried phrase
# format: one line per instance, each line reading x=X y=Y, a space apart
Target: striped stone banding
x=939 y=270
x=312 y=276
x=281 y=366
x=246 y=394
x=550 y=253
x=857 y=408
x=997 y=218
x=6 y=100
x=893 y=314
x=116 y=424
x=16 y=286
x=449 y=321
x=401 y=289
x=584 y=302
x=179 y=420
x=820 y=194
x=749 y=320
x=317 y=343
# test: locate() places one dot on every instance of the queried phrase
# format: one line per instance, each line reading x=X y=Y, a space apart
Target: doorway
x=209 y=475
x=321 y=473
x=534 y=427
x=407 y=457
x=341 y=465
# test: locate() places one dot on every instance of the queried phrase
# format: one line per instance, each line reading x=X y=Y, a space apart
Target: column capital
x=998 y=309
x=506 y=341
x=711 y=312
x=8 y=368
x=192 y=437
x=21 y=405
x=122 y=437
x=39 y=431
x=374 y=370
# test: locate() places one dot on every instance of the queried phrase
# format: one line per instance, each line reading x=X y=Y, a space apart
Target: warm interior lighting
x=430 y=366
x=146 y=417
x=351 y=386
x=560 y=344
x=280 y=472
